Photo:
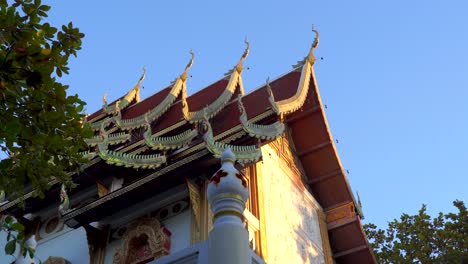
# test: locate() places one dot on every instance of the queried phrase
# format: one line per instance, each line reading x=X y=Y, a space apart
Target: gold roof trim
x=218 y=104
x=170 y=142
x=133 y=94
x=295 y=102
x=161 y=108
x=244 y=154
x=267 y=132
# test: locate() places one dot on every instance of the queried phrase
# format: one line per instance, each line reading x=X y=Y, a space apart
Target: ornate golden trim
x=261 y=212
x=171 y=142
x=133 y=94
x=217 y=105
x=327 y=252
x=295 y=102
x=194 y=194
x=157 y=241
x=243 y=154
x=266 y=132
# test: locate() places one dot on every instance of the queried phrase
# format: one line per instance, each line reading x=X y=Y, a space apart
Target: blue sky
x=394 y=77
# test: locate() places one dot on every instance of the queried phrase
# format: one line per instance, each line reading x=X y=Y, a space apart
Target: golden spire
x=311 y=57
x=184 y=75
x=244 y=56
x=270 y=92
x=104 y=99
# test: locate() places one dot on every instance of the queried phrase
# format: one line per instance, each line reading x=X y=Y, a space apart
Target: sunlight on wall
x=292 y=222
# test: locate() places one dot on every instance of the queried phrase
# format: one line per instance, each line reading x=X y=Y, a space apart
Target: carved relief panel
x=144 y=240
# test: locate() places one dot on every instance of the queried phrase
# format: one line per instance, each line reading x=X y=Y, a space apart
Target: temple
x=219 y=176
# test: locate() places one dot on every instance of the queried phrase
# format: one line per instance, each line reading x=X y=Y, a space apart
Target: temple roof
x=168 y=129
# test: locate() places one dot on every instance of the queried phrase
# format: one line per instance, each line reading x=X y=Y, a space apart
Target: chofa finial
x=247 y=48
x=104 y=99
x=311 y=57
x=317 y=36
x=239 y=66
x=143 y=75
x=189 y=65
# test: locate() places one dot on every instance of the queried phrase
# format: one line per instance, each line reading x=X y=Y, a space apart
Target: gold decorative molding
x=133 y=94
x=295 y=102
x=326 y=247
x=172 y=142
x=145 y=239
x=206 y=214
x=157 y=111
x=261 y=211
x=217 y=105
x=266 y=132
x=194 y=194
x=243 y=154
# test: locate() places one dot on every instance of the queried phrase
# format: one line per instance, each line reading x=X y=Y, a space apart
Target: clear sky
x=394 y=77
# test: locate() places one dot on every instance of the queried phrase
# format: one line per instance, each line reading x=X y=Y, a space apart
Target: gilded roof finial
x=104 y=99
x=143 y=75
x=117 y=106
x=311 y=57
x=184 y=75
x=270 y=92
x=244 y=56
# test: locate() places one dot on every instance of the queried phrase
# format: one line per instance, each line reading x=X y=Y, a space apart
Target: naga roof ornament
x=64 y=201
x=271 y=97
x=133 y=94
x=128 y=160
x=161 y=108
x=295 y=102
x=218 y=104
x=171 y=142
x=114 y=139
x=244 y=154
x=267 y=132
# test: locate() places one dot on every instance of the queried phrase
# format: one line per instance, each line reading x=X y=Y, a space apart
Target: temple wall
x=70 y=244
x=291 y=214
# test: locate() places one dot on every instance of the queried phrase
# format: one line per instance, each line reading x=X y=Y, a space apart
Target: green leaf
x=17 y=226
x=10 y=247
x=8 y=219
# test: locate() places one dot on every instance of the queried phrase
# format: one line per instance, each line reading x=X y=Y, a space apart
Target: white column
x=228 y=241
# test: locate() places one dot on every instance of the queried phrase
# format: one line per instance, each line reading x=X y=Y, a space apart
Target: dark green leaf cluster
x=15 y=236
x=422 y=239
x=41 y=130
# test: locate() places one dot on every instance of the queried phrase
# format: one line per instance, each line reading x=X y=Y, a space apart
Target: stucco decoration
x=56 y=260
x=144 y=239
x=267 y=132
x=170 y=142
x=243 y=154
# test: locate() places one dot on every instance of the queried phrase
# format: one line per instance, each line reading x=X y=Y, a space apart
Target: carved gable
x=144 y=240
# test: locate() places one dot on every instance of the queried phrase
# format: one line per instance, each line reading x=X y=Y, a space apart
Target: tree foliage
x=422 y=239
x=41 y=131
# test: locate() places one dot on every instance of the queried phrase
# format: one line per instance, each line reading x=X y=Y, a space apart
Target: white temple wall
x=291 y=217
x=70 y=244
